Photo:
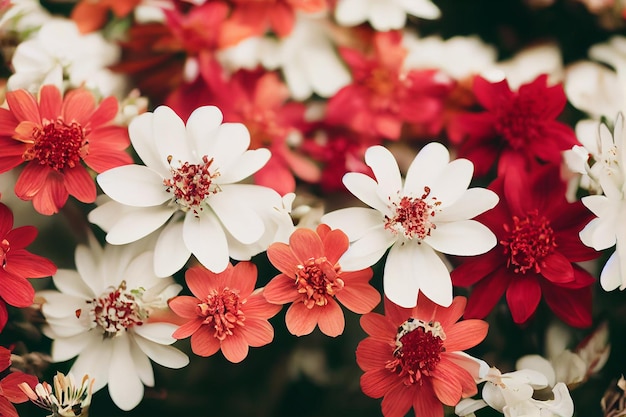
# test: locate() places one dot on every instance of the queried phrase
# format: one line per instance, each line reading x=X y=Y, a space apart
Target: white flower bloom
x=383 y=15
x=23 y=16
x=101 y=312
x=561 y=405
x=64 y=398
x=426 y=215
x=190 y=186
x=59 y=54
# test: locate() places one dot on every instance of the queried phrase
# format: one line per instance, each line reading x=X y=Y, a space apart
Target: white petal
x=428 y=164
x=326 y=71
x=231 y=141
x=134 y=185
x=365 y=189
x=140 y=271
x=562 y=404
x=433 y=275
x=385 y=170
x=58 y=328
x=137 y=223
x=354 y=221
x=351 y=12
x=468 y=406
x=141 y=134
x=163 y=355
x=94 y=361
x=599 y=233
x=143 y=367
x=463 y=238
x=421 y=8
x=298 y=83
x=569 y=367
x=367 y=250
x=205 y=238
x=539 y=364
x=610 y=277
x=87 y=266
x=170 y=252
x=492 y=395
x=125 y=387
x=593 y=88
x=597 y=204
x=247 y=164
x=237 y=217
x=453 y=181
x=65 y=348
x=400 y=279
x=160 y=333
x=170 y=136
x=386 y=16
x=59 y=305
x=70 y=282
x=473 y=202
x=202 y=127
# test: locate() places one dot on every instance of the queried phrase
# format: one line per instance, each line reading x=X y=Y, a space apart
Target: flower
x=9 y=392
x=225 y=312
x=102 y=311
x=66 y=400
x=426 y=214
x=91 y=15
x=54 y=134
x=311 y=278
x=413 y=357
x=537 y=231
x=17 y=264
x=189 y=184
x=517 y=129
x=383 y=15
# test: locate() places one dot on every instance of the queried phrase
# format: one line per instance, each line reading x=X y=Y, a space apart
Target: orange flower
x=413 y=357
x=54 y=135
x=311 y=279
x=91 y=15
x=226 y=313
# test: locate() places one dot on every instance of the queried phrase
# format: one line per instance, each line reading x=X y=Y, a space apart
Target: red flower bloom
x=384 y=95
x=516 y=128
x=538 y=233
x=311 y=279
x=10 y=393
x=413 y=357
x=225 y=312
x=17 y=264
x=54 y=135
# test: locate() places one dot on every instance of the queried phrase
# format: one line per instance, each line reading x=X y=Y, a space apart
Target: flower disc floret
x=58 y=144
x=222 y=310
x=317 y=281
x=191 y=184
x=530 y=239
x=412 y=216
x=116 y=311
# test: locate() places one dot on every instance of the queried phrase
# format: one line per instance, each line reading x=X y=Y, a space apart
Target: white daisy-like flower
x=59 y=54
x=101 y=312
x=426 y=215
x=383 y=15
x=190 y=186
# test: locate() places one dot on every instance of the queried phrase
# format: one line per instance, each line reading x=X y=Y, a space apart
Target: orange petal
x=336 y=243
x=184 y=306
x=283 y=259
x=243 y=278
x=281 y=290
x=378 y=382
x=359 y=298
x=188 y=329
x=306 y=244
x=203 y=343
x=374 y=354
x=331 y=321
x=300 y=320
x=465 y=334
x=79 y=184
x=23 y=106
x=50 y=102
x=257 y=332
x=235 y=347
x=201 y=281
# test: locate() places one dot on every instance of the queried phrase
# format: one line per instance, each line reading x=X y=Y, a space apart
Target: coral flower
x=311 y=279
x=91 y=15
x=55 y=135
x=9 y=391
x=17 y=264
x=225 y=312
x=413 y=357
x=537 y=231
x=516 y=128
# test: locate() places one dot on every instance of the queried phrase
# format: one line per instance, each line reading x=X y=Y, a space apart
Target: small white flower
x=189 y=186
x=101 y=312
x=64 y=398
x=383 y=15
x=426 y=215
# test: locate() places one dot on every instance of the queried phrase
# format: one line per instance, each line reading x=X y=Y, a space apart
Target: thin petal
x=170 y=251
x=125 y=388
x=134 y=185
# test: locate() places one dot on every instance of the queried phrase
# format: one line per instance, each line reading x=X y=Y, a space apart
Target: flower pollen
x=191 y=184
x=317 y=280
x=418 y=350
x=117 y=311
x=530 y=239
x=58 y=144
x=413 y=216
x=222 y=310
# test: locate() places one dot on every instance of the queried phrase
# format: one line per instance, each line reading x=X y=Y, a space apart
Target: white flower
x=59 y=54
x=189 y=185
x=427 y=214
x=383 y=15
x=22 y=16
x=64 y=398
x=101 y=312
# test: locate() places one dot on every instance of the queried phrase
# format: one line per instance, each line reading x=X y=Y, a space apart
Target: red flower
x=538 y=233
x=91 y=15
x=311 y=279
x=54 y=135
x=516 y=128
x=17 y=264
x=413 y=357
x=10 y=393
x=225 y=312
x=384 y=95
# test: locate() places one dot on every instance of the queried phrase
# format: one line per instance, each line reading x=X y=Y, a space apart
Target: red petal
x=12 y=151
x=52 y=196
x=23 y=106
x=283 y=259
x=331 y=321
x=78 y=106
x=184 y=306
x=281 y=290
x=31 y=180
x=476 y=268
x=4 y=315
x=306 y=244
x=105 y=113
x=25 y=264
x=5 y=355
x=189 y=328
x=557 y=268
x=573 y=306
x=50 y=102
x=10 y=389
x=203 y=343
x=396 y=314
x=426 y=404
x=300 y=320
x=359 y=298
x=7 y=409
x=398 y=401
x=6 y=222
x=451 y=383
x=109 y=137
x=523 y=296
x=79 y=184
x=379 y=327
x=336 y=243
x=465 y=334
x=491 y=95
x=20 y=237
x=373 y=354
x=487 y=292
x=16 y=290
x=281 y=19
x=378 y=382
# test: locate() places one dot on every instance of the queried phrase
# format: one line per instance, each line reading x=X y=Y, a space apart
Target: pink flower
x=225 y=312
x=311 y=279
x=55 y=135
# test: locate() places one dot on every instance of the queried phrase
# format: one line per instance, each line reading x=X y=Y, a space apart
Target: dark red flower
x=537 y=231
x=517 y=129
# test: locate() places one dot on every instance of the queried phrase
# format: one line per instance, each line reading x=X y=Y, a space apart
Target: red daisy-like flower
x=383 y=94
x=537 y=231
x=10 y=393
x=311 y=279
x=225 y=312
x=517 y=129
x=17 y=264
x=55 y=135
x=413 y=357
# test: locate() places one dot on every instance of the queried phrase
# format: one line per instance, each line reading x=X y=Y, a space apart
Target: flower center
x=317 y=280
x=117 y=311
x=191 y=184
x=223 y=311
x=413 y=216
x=530 y=239
x=58 y=145
x=418 y=349
x=5 y=246
x=516 y=123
